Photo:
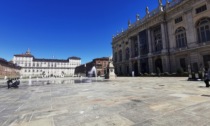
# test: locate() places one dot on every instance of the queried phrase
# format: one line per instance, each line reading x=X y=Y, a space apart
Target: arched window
x=127 y=54
x=203 y=30
x=120 y=55
x=181 y=40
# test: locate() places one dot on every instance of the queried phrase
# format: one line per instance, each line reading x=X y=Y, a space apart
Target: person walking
x=207 y=77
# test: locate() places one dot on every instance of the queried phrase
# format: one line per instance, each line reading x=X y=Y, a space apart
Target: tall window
x=181 y=40
x=143 y=42
x=115 y=57
x=136 y=52
x=120 y=55
x=127 y=54
x=201 y=9
x=203 y=30
x=179 y=19
x=157 y=39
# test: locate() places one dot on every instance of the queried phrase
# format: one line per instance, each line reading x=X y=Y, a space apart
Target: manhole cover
x=206 y=95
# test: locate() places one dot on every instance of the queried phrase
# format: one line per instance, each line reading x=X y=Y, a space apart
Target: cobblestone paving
x=138 y=101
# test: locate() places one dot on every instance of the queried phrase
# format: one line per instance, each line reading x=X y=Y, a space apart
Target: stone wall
x=9 y=71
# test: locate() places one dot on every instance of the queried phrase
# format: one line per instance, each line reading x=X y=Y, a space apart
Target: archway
x=135 y=68
x=144 y=66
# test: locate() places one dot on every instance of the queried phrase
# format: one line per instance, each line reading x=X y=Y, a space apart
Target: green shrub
x=179 y=71
x=166 y=74
x=185 y=74
x=153 y=74
x=158 y=71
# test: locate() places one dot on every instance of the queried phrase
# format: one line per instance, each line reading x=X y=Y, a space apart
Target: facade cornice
x=151 y=21
x=185 y=6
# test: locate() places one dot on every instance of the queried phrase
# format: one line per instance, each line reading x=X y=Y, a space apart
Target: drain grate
x=161 y=85
x=205 y=95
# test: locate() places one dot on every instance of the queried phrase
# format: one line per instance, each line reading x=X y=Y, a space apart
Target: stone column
x=149 y=41
x=150 y=61
x=191 y=33
x=130 y=63
x=139 y=56
x=138 y=39
x=139 y=66
x=122 y=49
x=165 y=63
x=131 y=47
x=163 y=37
x=123 y=69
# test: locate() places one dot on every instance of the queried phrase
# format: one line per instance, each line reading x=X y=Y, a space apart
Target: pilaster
x=151 y=68
x=149 y=41
x=138 y=60
x=138 y=39
x=130 y=63
x=165 y=63
x=163 y=37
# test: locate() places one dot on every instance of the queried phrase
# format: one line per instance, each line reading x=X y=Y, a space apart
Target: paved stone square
x=139 y=101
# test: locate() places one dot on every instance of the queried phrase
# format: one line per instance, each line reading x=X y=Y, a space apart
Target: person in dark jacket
x=207 y=77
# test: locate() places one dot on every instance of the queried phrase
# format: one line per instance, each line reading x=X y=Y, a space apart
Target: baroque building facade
x=173 y=36
x=35 y=67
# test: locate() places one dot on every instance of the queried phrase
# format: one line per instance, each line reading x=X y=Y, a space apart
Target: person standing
x=207 y=77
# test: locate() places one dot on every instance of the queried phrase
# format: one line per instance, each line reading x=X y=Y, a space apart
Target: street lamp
x=85 y=70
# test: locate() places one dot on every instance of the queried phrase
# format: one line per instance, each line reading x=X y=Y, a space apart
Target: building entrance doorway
x=127 y=70
x=144 y=66
x=135 y=68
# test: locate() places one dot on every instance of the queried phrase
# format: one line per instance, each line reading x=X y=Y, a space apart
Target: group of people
x=207 y=77
x=13 y=83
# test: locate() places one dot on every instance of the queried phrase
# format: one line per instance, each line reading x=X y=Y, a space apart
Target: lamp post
x=85 y=70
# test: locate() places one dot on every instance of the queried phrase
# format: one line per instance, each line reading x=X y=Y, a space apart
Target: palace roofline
x=147 y=17
x=102 y=58
x=47 y=60
x=23 y=55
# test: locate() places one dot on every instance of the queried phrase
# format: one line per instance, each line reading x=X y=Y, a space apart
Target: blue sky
x=64 y=28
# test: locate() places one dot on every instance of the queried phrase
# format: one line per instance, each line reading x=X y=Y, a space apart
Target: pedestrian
x=207 y=77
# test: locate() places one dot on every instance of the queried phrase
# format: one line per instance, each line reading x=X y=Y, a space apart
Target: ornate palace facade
x=173 y=36
x=34 y=67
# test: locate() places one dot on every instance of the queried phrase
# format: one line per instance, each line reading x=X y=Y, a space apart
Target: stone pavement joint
x=125 y=101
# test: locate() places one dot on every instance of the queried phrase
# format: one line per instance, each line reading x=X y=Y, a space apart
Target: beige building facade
x=37 y=67
x=171 y=37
